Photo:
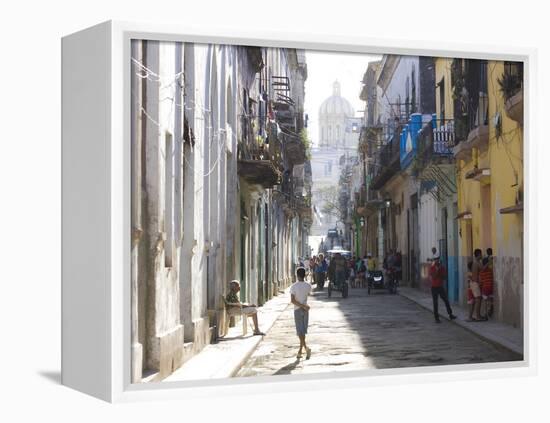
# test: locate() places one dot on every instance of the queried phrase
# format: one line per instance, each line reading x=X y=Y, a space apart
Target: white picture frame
x=96 y=345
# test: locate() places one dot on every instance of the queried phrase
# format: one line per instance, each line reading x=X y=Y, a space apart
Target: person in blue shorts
x=299 y=292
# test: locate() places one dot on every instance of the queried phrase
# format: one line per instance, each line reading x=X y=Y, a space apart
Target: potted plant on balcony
x=511 y=87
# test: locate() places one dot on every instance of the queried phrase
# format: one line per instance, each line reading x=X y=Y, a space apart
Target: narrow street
x=239 y=178
x=367 y=332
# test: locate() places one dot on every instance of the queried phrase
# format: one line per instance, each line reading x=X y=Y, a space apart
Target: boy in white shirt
x=299 y=292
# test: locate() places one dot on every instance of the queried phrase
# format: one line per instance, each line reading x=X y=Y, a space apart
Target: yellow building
x=484 y=102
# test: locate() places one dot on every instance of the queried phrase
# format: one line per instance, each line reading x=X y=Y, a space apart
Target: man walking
x=438 y=275
x=299 y=292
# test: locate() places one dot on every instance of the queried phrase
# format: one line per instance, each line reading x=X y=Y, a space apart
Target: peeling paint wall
x=189 y=232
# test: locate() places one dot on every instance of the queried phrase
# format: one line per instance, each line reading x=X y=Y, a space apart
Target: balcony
x=274 y=145
x=511 y=87
x=386 y=162
x=369 y=138
x=515 y=209
x=258 y=168
x=294 y=149
x=408 y=142
x=369 y=202
x=471 y=107
x=285 y=115
x=435 y=142
x=514 y=107
x=298 y=177
x=478 y=138
x=482 y=175
x=303 y=207
x=434 y=164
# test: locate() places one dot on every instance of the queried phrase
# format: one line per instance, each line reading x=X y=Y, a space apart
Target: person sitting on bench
x=248 y=310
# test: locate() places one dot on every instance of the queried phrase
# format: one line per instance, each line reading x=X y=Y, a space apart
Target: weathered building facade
x=444 y=169
x=215 y=139
x=488 y=148
x=399 y=97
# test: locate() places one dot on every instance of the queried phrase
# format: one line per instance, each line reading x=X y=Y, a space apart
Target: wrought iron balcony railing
x=386 y=162
x=442 y=136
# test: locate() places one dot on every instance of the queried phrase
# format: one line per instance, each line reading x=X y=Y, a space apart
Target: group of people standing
x=317 y=268
x=480 y=286
x=479 y=280
x=355 y=269
x=359 y=269
x=320 y=268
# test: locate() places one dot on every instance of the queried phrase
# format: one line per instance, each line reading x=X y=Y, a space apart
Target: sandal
x=258 y=333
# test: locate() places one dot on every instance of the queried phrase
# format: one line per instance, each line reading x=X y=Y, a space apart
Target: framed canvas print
x=262 y=212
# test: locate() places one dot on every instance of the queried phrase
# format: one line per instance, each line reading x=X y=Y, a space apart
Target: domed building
x=335 y=120
x=338 y=137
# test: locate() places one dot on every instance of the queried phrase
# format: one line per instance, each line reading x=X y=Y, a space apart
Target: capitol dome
x=335 y=116
x=336 y=104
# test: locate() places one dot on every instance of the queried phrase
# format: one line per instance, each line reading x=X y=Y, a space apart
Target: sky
x=323 y=68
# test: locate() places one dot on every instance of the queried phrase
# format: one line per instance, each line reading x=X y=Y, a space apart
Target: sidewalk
x=495 y=332
x=225 y=358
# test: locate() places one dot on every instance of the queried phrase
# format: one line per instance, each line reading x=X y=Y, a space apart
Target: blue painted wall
x=410 y=131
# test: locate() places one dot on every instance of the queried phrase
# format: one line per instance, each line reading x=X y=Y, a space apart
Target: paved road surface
x=367 y=332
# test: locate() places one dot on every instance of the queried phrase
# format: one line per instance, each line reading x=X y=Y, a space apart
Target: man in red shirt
x=438 y=275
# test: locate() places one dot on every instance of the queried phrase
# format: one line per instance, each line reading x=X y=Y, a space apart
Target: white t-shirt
x=300 y=290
